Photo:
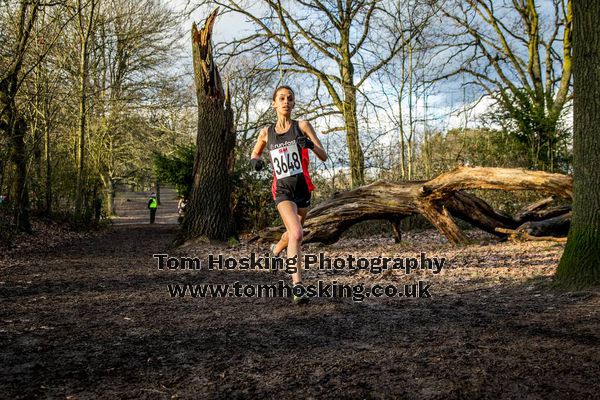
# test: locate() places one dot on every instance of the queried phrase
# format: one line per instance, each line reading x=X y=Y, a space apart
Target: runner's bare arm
x=308 y=130
x=261 y=142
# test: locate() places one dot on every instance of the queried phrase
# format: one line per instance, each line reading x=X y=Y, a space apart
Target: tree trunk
x=208 y=212
x=357 y=160
x=158 y=192
x=580 y=262
x=2 y=163
x=541 y=210
x=85 y=33
x=19 y=129
x=15 y=127
x=400 y=120
x=410 y=113
x=555 y=226
x=426 y=143
x=402 y=142
x=37 y=160
x=110 y=197
x=109 y=191
x=48 y=208
x=81 y=137
x=478 y=213
x=438 y=200
x=396 y=230
x=11 y=122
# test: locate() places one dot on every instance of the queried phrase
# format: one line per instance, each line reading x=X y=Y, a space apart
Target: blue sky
x=444 y=104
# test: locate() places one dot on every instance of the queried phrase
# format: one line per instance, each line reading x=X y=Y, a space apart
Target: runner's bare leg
x=283 y=242
x=293 y=224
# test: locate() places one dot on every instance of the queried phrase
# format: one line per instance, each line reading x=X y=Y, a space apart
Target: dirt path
x=95 y=320
x=131 y=208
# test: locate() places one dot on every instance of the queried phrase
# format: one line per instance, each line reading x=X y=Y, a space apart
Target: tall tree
x=86 y=13
x=355 y=37
x=580 y=262
x=105 y=115
x=208 y=212
x=12 y=123
x=134 y=44
x=43 y=93
x=521 y=57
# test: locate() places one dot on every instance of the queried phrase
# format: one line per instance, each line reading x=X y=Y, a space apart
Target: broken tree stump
x=208 y=211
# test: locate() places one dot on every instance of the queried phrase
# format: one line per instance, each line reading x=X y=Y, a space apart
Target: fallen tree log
x=556 y=226
x=541 y=210
x=522 y=235
x=438 y=200
x=478 y=213
x=462 y=178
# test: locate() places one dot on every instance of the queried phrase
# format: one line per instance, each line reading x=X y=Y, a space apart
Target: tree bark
x=410 y=113
x=401 y=118
x=580 y=262
x=396 y=230
x=208 y=212
x=2 y=163
x=478 y=213
x=16 y=128
x=541 y=210
x=11 y=122
x=110 y=197
x=158 y=192
x=18 y=131
x=555 y=226
x=84 y=34
x=48 y=207
x=438 y=200
x=355 y=152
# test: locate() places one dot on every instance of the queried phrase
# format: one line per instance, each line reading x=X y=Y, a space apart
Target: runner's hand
x=257 y=163
x=305 y=142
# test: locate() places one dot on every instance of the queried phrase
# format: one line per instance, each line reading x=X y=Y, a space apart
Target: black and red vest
x=288 y=160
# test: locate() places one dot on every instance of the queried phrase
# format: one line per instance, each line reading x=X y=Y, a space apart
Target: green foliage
x=476 y=147
x=232 y=241
x=177 y=168
x=252 y=201
x=540 y=132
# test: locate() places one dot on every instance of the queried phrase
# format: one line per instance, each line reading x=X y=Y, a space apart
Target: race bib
x=286 y=161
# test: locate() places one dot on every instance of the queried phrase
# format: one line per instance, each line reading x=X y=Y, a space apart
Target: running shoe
x=272 y=253
x=299 y=300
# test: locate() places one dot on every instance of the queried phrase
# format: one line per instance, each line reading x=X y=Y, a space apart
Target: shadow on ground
x=95 y=320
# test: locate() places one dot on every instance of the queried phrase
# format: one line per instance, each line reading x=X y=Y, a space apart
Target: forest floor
x=93 y=318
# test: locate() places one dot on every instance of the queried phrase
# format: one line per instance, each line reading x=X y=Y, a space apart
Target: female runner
x=288 y=142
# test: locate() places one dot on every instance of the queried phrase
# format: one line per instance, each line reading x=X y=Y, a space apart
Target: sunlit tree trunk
x=580 y=263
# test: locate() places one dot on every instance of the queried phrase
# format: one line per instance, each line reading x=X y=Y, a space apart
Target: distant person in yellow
x=152 y=205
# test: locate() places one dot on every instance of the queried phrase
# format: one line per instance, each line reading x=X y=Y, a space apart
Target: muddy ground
x=93 y=318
